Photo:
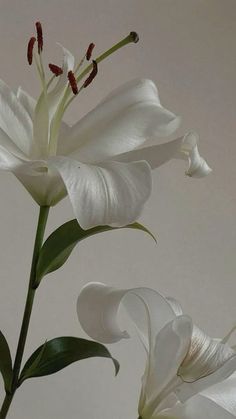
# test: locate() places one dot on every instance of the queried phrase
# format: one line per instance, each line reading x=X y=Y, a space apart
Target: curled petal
x=198 y=167
x=100 y=323
x=184 y=148
x=148 y=309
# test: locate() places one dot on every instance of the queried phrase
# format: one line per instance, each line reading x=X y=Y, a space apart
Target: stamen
x=30 y=50
x=92 y=75
x=73 y=82
x=39 y=36
x=89 y=51
x=55 y=69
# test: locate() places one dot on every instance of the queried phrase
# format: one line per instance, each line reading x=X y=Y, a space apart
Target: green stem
x=42 y=220
x=6 y=404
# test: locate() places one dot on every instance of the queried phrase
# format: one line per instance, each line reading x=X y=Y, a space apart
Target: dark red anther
x=39 y=36
x=30 y=50
x=55 y=69
x=73 y=82
x=89 y=51
x=92 y=74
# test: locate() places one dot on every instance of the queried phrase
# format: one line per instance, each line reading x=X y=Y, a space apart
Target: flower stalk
x=42 y=220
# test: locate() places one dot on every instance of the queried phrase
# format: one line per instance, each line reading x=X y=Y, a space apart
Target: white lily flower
x=188 y=375
x=98 y=161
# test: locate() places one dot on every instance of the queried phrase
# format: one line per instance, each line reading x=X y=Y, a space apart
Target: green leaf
x=58 y=353
x=5 y=363
x=59 y=245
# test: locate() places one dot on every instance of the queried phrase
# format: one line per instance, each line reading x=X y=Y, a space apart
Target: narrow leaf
x=5 y=363
x=58 y=353
x=59 y=245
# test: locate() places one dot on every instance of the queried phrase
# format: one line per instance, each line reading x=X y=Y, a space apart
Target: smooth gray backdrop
x=188 y=48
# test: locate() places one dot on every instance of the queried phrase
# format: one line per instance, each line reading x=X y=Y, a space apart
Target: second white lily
x=186 y=375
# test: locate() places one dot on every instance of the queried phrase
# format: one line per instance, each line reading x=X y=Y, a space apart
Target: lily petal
x=148 y=309
x=15 y=121
x=223 y=394
x=109 y=194
x=184 y=148
x=42 y=182
x=155 y=155
x=195 y=408
x=101 y=322
x=27 y=101
x=172 y=344
x=205 y=356
x=8 y=160
x=7 y=145
x=182 y=360
x=225 y=369
x=129 y=116
x=176 y=306
x=198 y=167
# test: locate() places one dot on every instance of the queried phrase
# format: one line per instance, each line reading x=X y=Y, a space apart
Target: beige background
x=188 y=48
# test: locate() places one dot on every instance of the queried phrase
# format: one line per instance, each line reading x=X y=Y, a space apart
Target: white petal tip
x=200 y=171
x=198 y=167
